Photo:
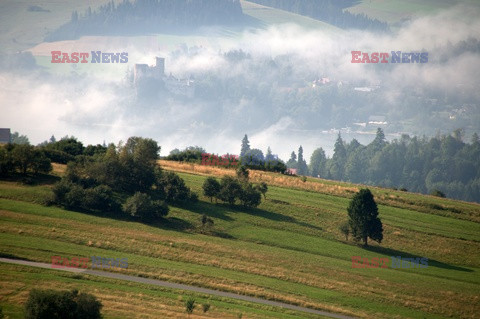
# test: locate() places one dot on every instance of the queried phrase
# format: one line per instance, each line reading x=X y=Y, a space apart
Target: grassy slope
x=396 y=11
x=288 y=249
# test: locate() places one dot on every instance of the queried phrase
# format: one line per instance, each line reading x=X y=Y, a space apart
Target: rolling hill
x=289 y=249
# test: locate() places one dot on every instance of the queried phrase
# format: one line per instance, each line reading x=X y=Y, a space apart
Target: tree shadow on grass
x=219 y=210
x=172 y=223
x=32 y=180
x=402 y=254
x=210 y=209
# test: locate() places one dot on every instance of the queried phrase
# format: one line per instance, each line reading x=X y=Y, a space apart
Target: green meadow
x=288 y=249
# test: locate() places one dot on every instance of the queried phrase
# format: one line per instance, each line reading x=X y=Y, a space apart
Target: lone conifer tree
x=245 y=146
x=364 y=221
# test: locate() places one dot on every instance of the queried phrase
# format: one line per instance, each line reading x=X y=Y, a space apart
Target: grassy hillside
x=395 y=12
x=289 y=249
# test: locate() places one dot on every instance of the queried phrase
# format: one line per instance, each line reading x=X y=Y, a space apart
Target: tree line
x=147 y=16
x=441 y=165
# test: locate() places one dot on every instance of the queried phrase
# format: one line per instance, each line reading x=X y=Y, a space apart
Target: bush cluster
x=23 y=159
x=52 y=304
x=124 y=178
x=231 y=189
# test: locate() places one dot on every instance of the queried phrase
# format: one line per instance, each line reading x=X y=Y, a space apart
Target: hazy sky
x=94 y=108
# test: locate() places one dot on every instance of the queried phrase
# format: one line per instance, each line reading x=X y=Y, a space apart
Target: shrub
x=205 y=307
x=438 y=193
x=100 y=198
x=230 y=190
x=174 y=188
x=262 y=188
x=345 y=229
x=242 y=172
x=206 y=221
x=51 y=304
x=75 y=197
x=249 y=196
x=211 y=187
x=189 y=305
x=142 y=206
x=57 y=156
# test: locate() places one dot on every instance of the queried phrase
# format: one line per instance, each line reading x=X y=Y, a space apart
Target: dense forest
x=329 y=11
x=147 y=16
x=442 y=165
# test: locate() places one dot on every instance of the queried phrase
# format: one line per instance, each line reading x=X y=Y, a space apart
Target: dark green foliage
x=100 y=198
x=242 y=172
x=189 y=305
x=363 y=217
x=205 y=307
x=57 y=156
x=421 y=165
x=101 y=182
x=75 y=196
x=69 y=145
x=230 y=190
x=92 y=150
x=262 y=188
x=302 y=168
x=23 y=158
x=438 y=193
x=318 y=162
x=345 y=229
x=6 y=161
x=174 y=188
x=51 y=304
x=191 y=154
x=211 y=187
x=142 y=206
x=233 y=189
x=336 y=166
x=249 y=196
x=3 y=316
x=206 y=221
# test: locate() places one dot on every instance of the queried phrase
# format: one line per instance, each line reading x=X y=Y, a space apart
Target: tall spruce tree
x=363 y=217
x=339 y=159
x=245 y=146
x=302 y=164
